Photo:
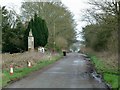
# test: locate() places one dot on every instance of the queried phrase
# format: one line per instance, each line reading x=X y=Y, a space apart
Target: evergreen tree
x=12 y=37
x=39 y=31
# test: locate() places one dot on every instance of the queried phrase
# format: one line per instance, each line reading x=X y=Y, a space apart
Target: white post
x=11 y=69
x=29 y=64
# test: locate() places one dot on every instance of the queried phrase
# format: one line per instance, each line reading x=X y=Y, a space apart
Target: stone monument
x=30 y=41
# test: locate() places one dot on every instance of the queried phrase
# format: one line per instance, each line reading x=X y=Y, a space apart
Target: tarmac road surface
x=72 y=71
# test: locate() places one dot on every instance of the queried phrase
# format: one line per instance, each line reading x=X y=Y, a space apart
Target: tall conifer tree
x=39 y=30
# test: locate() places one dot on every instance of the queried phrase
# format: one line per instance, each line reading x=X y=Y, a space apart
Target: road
x=70 y=72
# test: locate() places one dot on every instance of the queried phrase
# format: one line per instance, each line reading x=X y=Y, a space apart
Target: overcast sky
x=75 y=6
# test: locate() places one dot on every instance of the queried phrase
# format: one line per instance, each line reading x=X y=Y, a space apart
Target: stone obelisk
x=30 y=41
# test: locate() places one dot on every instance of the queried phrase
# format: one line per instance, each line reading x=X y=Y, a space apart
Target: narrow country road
x=70 y=72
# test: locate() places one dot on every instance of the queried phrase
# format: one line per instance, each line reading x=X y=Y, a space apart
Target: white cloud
x=12 y=4
x=77 y=7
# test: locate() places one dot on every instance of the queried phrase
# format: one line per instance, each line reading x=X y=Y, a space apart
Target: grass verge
x=111 y=76
x=22 y=72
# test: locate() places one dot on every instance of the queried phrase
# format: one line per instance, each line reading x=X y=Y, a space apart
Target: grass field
x=22 y=72
x=110 y=74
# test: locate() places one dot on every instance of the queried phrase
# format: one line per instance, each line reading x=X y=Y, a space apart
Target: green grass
x=21 y=72
x=98 y=64
x=111 y=79
x=109 y=75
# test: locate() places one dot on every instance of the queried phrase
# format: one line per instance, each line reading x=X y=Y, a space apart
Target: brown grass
x=19 y=60
x=109 y=59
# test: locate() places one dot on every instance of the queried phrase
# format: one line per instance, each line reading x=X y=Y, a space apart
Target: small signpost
x=41 y=49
